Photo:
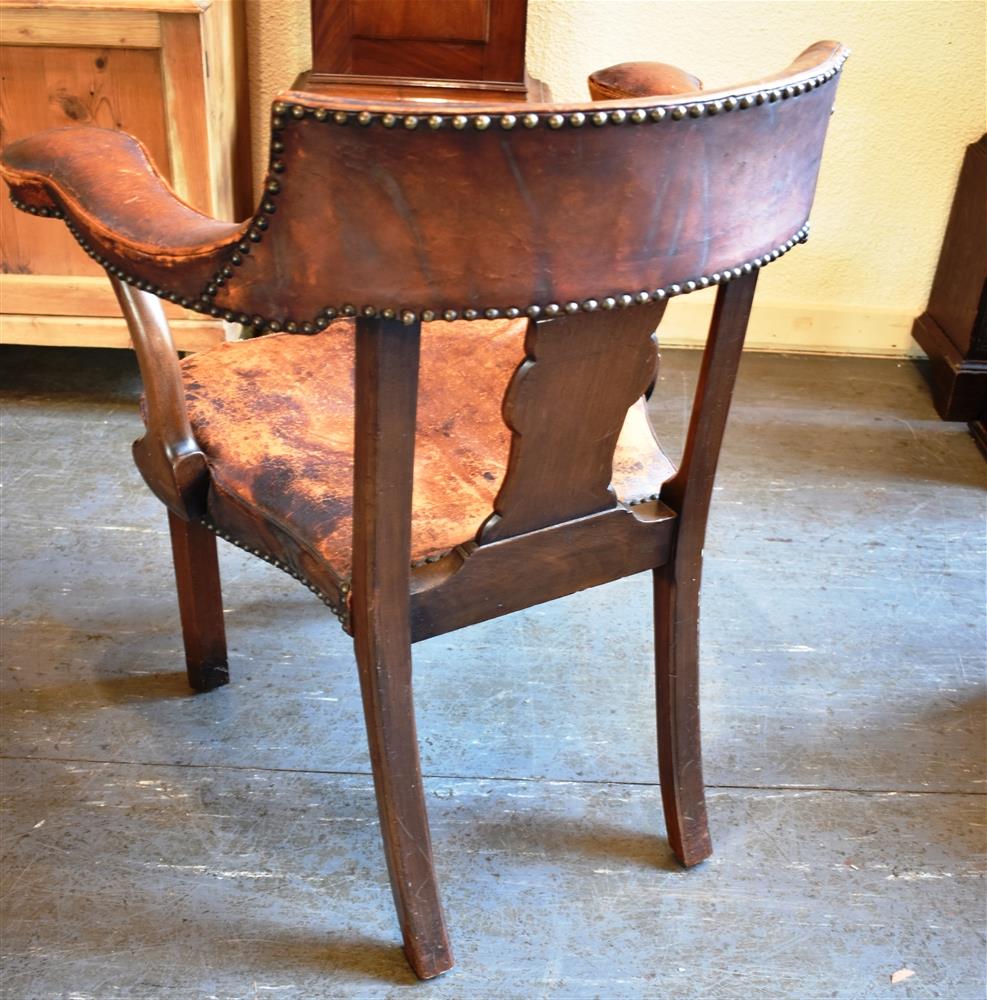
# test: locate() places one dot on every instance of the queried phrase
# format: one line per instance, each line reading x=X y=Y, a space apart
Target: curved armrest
x=118 y=206
x=167 y=455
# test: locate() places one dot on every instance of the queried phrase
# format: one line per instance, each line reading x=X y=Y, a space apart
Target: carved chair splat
x=446 y=424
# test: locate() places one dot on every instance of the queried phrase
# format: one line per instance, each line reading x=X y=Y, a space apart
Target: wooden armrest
x=641 y=79
x=168 y=455
x=118 y=206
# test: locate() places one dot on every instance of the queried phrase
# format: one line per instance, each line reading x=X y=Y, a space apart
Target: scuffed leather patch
x=275 y=419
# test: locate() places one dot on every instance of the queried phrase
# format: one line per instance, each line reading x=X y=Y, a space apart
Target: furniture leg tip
x=209 y=676
x=694 y=853
x=430 y=966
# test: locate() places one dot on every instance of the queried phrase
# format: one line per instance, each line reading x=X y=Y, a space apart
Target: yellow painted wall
x=913 y=95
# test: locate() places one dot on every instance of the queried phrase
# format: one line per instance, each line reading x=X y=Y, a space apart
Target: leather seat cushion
x=275 y=418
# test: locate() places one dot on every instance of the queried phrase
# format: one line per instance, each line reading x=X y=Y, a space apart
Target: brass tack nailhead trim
x=480 y=122
x=342 y=613
x=619 y=116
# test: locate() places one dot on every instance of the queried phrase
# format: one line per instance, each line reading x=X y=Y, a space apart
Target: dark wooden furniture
x=450 y=426
x=459 y=45
x=953 y=329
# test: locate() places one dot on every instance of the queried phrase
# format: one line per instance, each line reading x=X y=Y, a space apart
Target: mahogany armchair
x=447 y=423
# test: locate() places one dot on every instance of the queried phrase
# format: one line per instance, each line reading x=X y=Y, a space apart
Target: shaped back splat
x=565 y=406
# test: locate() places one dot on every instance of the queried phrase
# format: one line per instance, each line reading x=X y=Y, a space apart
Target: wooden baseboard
x=101 y=331
x=798 y=328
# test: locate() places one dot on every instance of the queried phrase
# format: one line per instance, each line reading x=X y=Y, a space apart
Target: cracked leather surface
x=275 y=419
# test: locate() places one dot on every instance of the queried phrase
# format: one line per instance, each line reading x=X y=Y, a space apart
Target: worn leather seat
x=274 y=417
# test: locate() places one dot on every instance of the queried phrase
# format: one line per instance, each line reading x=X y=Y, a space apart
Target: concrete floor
x=160 y=844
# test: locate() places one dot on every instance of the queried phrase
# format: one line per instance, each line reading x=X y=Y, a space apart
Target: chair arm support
x=167 y=455
x=119 y=207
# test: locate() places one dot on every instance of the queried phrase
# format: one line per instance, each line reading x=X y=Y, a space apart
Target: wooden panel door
x=140 y=66
x=475 y=42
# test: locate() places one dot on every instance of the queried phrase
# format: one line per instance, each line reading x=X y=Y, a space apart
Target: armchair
x=443 y=420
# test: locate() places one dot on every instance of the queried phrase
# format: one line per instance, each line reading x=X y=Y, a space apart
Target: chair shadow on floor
x=546 y=838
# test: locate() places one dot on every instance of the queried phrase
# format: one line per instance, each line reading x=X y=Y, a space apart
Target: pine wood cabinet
x=171 y=72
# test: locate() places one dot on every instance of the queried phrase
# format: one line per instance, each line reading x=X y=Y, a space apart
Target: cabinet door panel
x=449 y=21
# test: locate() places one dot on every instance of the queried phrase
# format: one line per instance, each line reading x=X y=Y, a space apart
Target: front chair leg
x=200 y=603
x=679 y=744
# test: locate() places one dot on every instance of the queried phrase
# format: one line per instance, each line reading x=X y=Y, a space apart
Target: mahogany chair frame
x=556 y=527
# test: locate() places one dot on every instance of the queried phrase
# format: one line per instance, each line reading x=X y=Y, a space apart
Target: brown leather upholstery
x=629 y=197
x=275 y=419
x=640 y=79
x=106 y=185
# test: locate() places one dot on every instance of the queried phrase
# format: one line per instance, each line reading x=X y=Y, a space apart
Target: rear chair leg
x=679 y=743
x=200 y=603
x=688 y=493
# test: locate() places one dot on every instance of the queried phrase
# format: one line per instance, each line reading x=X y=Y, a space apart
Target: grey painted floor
x=160 y=844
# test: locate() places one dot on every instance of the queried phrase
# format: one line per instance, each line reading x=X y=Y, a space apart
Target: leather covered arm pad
x=118 y=206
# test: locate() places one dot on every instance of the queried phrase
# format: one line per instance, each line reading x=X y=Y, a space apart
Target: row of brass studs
x=409 y=316
x=342 y=613
x=554 y=120
x=639 y=500
x=48 y=213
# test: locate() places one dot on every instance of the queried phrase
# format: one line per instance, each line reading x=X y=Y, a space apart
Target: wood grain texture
x=110 y=64
x=105 y=7
x=114 y=27
x=224 y=39
x=100 y=331
x=74 y=295
x=452 y=20
x=457 y=40
x=183 y=72
x=54 y=87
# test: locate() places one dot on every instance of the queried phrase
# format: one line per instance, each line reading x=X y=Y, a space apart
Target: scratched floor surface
x=160 y=844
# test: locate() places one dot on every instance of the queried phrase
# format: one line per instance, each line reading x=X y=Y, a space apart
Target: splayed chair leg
x=677 y=583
